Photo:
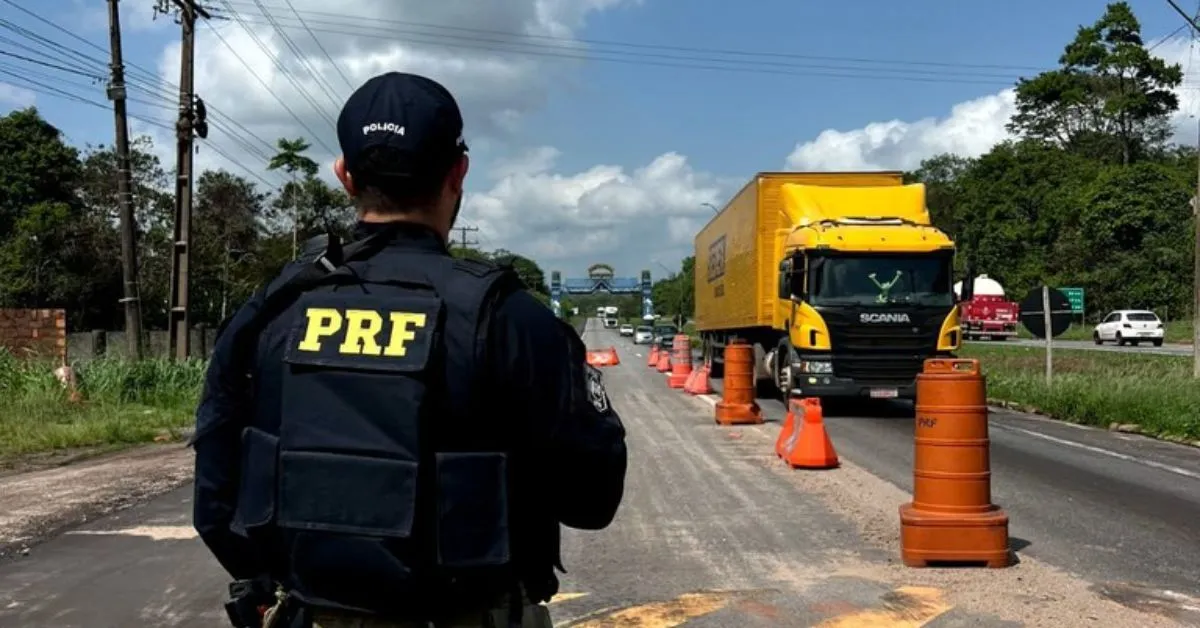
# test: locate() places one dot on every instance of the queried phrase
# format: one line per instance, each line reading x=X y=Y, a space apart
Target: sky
x=600 y=130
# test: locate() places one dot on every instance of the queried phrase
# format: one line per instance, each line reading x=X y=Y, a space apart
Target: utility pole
x=179 y=321
x=129 y=268
x=462 y=233
x=1195 y=227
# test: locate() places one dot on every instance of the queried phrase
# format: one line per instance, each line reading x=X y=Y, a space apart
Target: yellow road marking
x=662 y=614
x=906 y=607
x=563 y=597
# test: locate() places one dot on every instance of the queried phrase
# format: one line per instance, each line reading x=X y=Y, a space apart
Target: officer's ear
x=339 y=169
x=458 y=174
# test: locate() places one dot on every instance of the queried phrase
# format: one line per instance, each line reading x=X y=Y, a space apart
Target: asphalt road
x=715 y=532
x=1119 y=510
x=1166 y=349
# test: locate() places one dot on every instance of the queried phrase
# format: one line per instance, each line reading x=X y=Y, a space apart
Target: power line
x=317 y=76
x=156 y=83
x=648 y=59
x=317 y=41
x=665 y=47
x=316 y=137
x=280 y=66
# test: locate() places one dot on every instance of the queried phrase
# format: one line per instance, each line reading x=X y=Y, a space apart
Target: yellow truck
x=838 y=280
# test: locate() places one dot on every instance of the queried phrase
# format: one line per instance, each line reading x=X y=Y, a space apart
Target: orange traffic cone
x=691 y=381
x=664 y=361
x=652 y=361
x=789 y=427
x=701 y=386
x=811 y=447
x=614 y=360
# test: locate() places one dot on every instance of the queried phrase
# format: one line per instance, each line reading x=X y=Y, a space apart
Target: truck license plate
x=884 y=393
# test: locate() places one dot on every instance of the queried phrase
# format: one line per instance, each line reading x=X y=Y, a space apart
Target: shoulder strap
x=297 y=279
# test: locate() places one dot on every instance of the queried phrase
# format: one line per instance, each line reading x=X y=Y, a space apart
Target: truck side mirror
x=968 y=285
x=785 y=278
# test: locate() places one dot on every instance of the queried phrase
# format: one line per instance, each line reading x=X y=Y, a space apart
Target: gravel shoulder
x=37 y=504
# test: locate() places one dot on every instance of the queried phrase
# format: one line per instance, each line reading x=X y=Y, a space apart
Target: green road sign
x=1075 y=296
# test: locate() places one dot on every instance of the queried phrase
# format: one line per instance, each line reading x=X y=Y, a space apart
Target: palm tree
x=291 y=159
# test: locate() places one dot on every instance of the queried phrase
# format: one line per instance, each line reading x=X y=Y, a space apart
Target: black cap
x=413 y=118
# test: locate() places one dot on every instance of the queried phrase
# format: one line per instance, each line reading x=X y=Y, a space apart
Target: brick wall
x=34 y=333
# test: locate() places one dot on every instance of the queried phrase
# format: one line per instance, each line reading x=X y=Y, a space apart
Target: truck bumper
x=805 y=385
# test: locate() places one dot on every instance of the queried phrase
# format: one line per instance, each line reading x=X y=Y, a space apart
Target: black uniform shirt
x=531 y=354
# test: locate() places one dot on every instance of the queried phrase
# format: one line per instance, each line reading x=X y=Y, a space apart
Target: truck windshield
x=881 y=279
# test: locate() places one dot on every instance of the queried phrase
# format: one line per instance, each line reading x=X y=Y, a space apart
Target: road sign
x=1033 y=314
x=1075 y=296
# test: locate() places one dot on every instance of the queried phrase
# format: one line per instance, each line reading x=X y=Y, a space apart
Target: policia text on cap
x=389 y=436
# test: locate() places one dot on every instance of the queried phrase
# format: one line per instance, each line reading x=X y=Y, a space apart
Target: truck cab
x=839 y=282
x=862 y=323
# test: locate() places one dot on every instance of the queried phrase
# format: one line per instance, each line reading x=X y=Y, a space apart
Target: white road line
x=154 y=533
x=1105 y=452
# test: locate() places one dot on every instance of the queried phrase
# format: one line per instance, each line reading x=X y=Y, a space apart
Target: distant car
x=664 y=335
x=626 y=330
x=1129 y=327
x=644 y=335
x=610 y=323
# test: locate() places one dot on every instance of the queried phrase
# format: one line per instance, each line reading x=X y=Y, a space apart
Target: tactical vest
x=386 y=483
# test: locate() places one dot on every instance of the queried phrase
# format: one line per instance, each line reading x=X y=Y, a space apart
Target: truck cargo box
x=736 y=252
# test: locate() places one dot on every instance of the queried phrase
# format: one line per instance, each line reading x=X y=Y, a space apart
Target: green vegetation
x=1156 y=393
x=59 y=236
x=123 y=403
x=1090 y=193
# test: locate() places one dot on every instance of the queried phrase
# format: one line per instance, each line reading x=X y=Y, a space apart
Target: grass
x=1146 y=393
x=1176 y=331
x=123 y=403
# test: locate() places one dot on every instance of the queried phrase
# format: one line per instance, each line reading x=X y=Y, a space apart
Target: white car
x=626 y=330
x=1129 y=327
x=644 y=335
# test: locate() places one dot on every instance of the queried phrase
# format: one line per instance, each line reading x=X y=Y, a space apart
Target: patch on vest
x=596 y=392
x=361 y=331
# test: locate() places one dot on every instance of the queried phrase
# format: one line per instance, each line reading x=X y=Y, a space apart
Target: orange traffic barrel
x=681 y=361
x=737 y=404
x=951 y=517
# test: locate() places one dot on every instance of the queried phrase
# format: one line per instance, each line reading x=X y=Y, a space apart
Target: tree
x=36 y=165
x=153 y=210
x=226 y=232
x=1110 y=97
x=292 y=160
x=528 y=270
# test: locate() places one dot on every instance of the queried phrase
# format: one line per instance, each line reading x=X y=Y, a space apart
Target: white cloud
x=14 y=96
x=633 y=218
x=604 y=213
x=970 y=129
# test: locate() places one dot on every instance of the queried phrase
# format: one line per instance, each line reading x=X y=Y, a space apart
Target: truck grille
x=881 y=353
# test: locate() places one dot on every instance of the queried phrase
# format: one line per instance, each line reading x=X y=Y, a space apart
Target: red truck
x=988 y=314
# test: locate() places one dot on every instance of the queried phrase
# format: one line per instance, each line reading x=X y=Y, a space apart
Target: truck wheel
x=783 y=368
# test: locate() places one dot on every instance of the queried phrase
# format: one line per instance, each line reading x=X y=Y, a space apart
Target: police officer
x=390 y=436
